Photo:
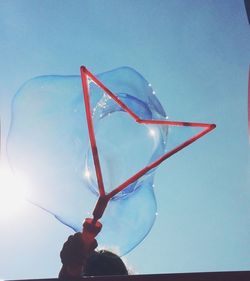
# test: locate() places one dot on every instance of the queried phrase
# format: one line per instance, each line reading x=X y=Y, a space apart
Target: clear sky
x=196 y=55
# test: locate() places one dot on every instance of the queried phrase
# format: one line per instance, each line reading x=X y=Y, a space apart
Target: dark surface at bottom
x=202 y=276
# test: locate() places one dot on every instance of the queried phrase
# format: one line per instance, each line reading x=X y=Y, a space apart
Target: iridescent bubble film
x=48 y=141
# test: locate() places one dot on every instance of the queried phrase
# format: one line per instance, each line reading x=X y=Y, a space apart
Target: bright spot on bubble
x=13 y=190
x=87 y=174
x=152 y=132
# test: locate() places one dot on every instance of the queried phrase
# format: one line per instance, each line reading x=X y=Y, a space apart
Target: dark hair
x=104 y=263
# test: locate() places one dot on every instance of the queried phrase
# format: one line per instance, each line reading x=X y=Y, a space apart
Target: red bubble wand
x=92 y=227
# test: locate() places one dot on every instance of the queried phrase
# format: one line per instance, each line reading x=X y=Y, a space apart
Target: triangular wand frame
x=103 y=196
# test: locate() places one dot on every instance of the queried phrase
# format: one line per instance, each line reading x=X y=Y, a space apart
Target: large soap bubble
x=48 y=141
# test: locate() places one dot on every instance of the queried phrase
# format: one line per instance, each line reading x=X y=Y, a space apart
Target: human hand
x=74 y=254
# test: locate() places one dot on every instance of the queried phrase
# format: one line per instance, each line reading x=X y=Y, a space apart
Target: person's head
x=104 y=263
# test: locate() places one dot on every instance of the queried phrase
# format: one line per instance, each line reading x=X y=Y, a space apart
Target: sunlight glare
x=12 y=191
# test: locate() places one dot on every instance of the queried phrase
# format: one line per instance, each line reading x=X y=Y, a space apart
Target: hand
x=74 y=254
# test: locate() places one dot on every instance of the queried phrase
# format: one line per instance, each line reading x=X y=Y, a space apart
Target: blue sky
x=196 y=55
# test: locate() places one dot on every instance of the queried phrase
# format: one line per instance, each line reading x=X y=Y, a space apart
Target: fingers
x=75 y=251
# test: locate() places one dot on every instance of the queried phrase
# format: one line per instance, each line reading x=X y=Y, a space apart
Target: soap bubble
x=48 y=140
